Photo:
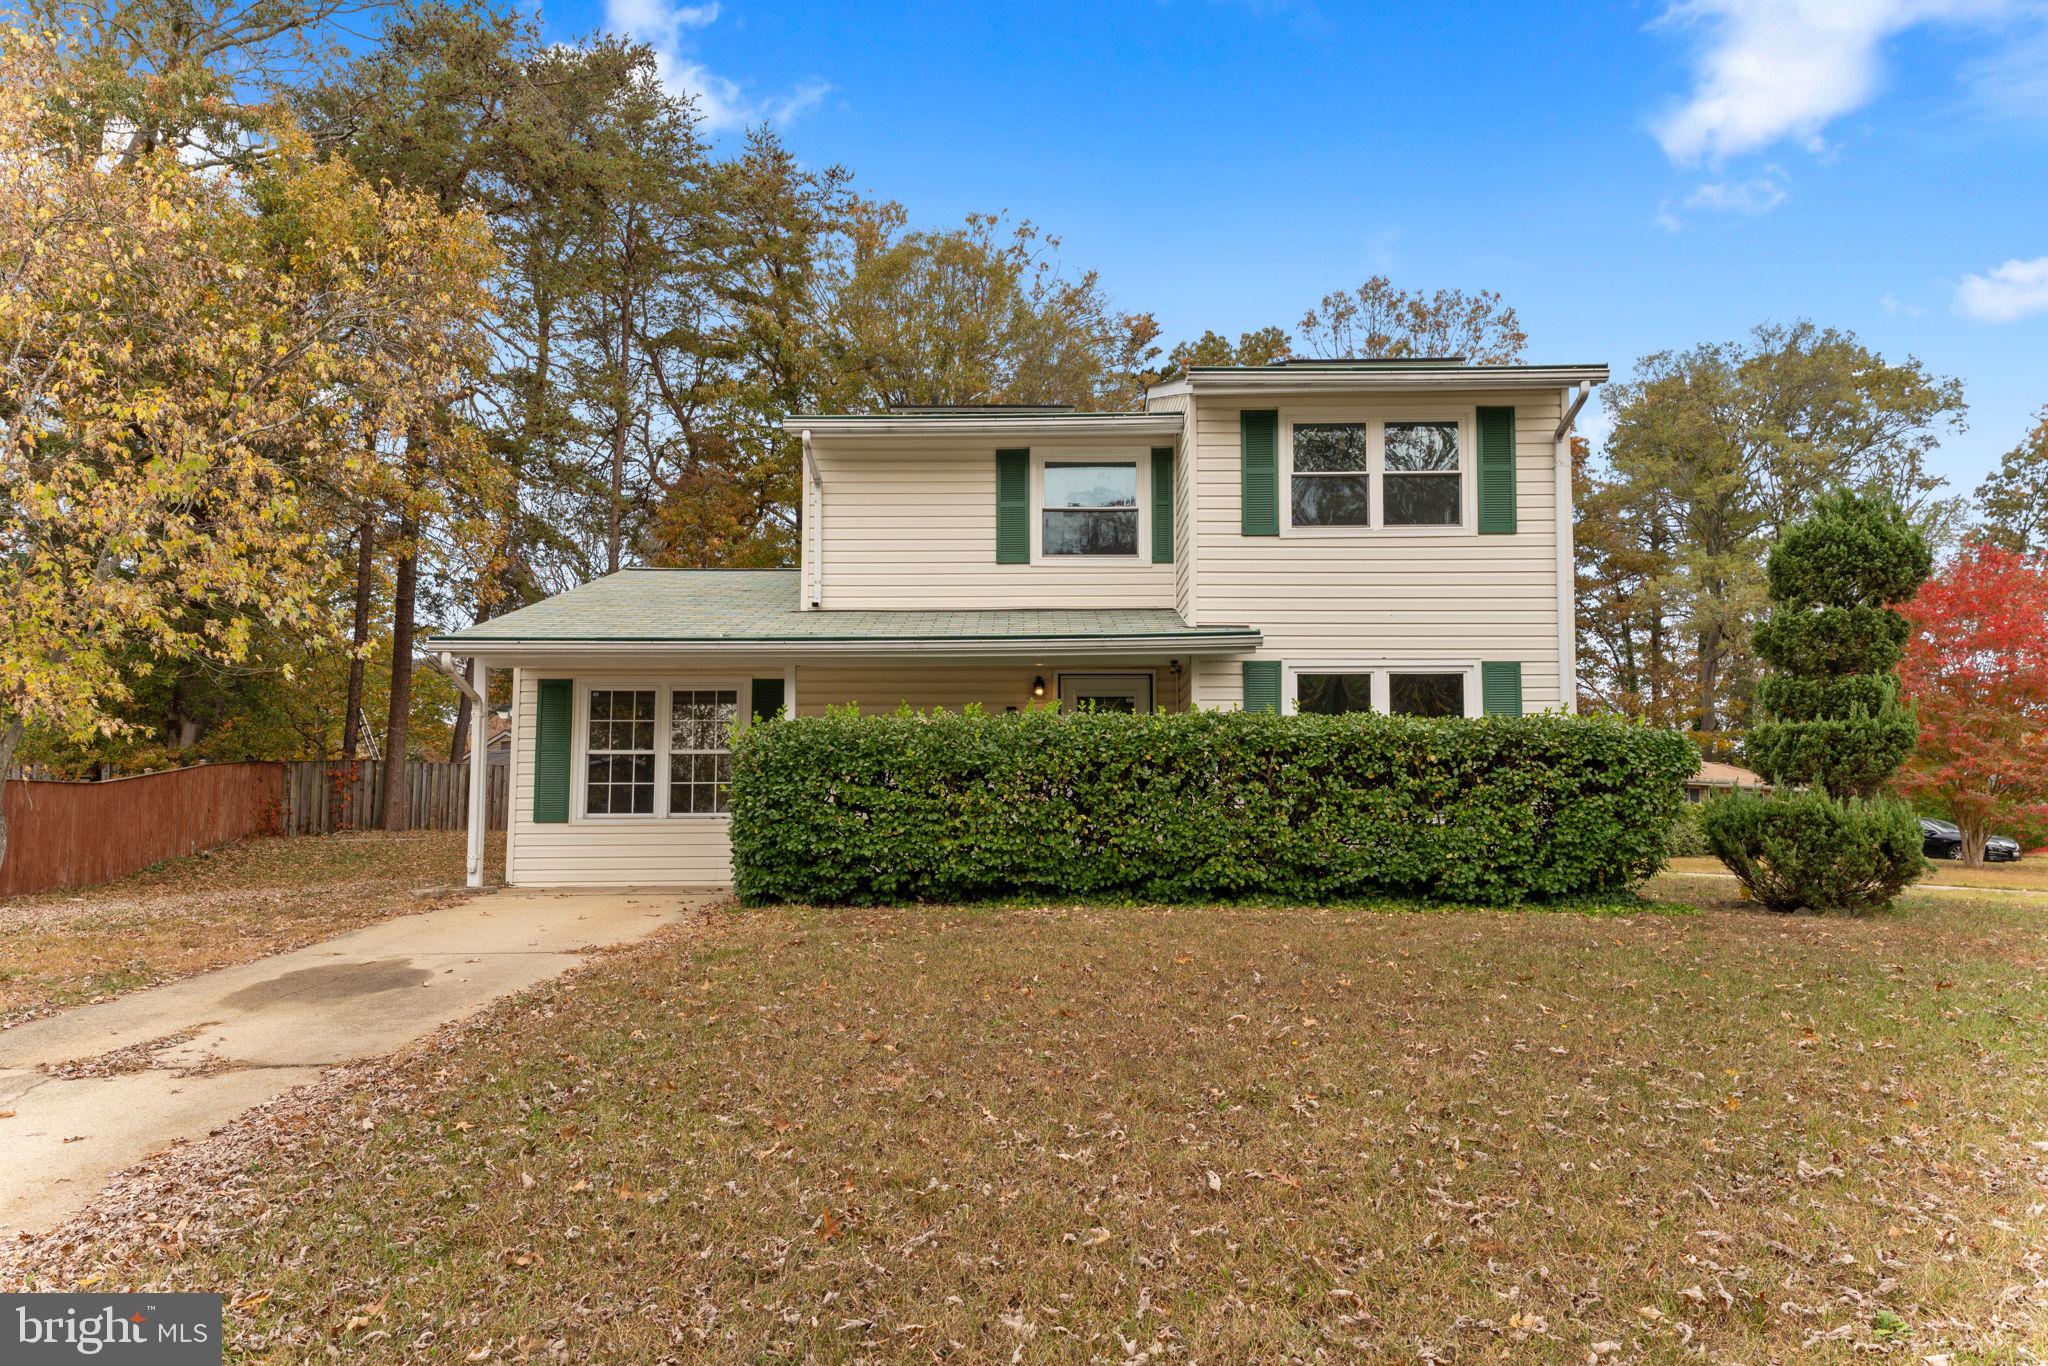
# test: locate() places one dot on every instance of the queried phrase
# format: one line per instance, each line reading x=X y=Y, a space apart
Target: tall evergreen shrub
x=1830 y=728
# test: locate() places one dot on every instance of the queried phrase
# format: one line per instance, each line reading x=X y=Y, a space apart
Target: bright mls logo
x=163 y=1330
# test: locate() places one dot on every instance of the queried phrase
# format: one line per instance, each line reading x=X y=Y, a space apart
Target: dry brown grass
x=1218 y=1135
x=211 y=910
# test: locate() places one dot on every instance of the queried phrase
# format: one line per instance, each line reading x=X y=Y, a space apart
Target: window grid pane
x=1426 y=694
x=1329 y=448
x=1422 y=447
x=1091 y=486
x=1422 y=499
x=619 y=768
x=1332 y=694
x=700 y=762
x=1331 y=499
x=1107 y=532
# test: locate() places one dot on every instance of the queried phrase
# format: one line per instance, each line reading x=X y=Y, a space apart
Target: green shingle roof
x=738 y=606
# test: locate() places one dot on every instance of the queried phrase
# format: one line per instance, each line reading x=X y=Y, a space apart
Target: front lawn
x=211 y=910
x=1107 y=1134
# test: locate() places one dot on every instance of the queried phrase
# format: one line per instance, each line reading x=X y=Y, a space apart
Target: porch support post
x=789 y=689
x=479 y=768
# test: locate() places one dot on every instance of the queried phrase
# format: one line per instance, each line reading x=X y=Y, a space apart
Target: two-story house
x=1317 y=536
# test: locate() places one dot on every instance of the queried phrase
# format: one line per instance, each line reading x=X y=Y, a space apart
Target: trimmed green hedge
x=1199 y=806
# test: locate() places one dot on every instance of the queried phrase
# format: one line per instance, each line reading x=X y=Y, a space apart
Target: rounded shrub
x=1199 y=806
x=1808 y=849
x=1830 y=728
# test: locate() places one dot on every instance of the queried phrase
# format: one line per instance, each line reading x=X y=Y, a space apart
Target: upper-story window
x=1332 y=482
x=1377 y=473
x=1422 y=474
x=1090 y=508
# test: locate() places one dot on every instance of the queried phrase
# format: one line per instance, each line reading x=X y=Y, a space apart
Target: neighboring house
x=498 y=730
x=1715 y=776
x=1310 y=536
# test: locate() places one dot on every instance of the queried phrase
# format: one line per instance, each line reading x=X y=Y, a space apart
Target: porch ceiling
x=755 y=611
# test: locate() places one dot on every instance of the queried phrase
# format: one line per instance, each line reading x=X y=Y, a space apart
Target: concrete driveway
x=97 y=1089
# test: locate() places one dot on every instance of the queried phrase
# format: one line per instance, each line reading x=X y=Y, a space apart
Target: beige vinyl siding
x=881 y=688
x=1382 y=595
x=914 y=526
x=683 y=851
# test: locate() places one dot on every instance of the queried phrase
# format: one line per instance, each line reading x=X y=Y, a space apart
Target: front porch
x=626 y=692
x=620 y=774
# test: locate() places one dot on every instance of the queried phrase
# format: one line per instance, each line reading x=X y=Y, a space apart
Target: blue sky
x=1629 y=177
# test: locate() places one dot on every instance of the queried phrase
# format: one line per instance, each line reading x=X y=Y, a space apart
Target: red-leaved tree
x=1977 y=669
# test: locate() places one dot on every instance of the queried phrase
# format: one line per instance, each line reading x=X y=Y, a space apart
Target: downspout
x=814 y=525
x=479 y=760
x=1567 y=565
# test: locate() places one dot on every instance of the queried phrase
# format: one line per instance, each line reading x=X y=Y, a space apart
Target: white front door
x=1106 y=692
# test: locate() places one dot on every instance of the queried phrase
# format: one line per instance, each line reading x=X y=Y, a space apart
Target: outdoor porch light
x=1038 y=686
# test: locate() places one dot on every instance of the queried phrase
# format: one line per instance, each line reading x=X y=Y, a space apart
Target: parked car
x=1944 y=839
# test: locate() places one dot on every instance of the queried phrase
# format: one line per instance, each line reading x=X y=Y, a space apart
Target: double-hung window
x=1332 y=483
x=619 y=758
x=1422 y=479
x=699 y=757
x=636 y=763
x=1090 y=508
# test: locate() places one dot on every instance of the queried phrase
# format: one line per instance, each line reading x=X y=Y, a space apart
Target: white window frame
x=1375 y=421
x=1140 y=457
x=1382 y=686
x=664 y=687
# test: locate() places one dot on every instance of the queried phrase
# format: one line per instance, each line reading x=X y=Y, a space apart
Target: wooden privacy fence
x=322 y=796
x=63 y=834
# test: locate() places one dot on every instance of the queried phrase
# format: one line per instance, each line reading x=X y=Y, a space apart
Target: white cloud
x=2015 y=290
x=722 y=102
x=1775 y=69
x=1899 y=308
x=1756 y=195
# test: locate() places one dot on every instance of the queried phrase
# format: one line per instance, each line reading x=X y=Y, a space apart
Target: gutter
x=1567 y=562
x=814 y=525
x=1214 y=642
x=942 y=428
x=479 y=759
x=444 y=663
x=1294 y=379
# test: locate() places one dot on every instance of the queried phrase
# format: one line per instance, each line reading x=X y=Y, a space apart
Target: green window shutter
x=1262 y=685
x=767 y=699
x=1013 y=507
x=1259 y=471
x=1162 y=505
x=553 y=716
x=1500 y=688
x=1497 y=471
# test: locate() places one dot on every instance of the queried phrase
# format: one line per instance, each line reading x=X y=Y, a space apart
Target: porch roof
x=757 y=611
